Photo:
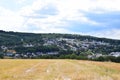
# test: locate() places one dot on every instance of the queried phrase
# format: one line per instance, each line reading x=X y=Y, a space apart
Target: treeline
x=107 y=58
x=74 y=56
x=79 y=57
x=44 y=49
x=62 y=56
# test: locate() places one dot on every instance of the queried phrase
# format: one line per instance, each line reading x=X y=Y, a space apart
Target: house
x=39 y=53
x=4 y=48
x=95 y=55
x=115 y=54
x=52 y=53
x=11 y=51
x=17 y=56
x=74 y=48
x=28 y=45
x=98 y=55
x=9 y=54
x=90 y=56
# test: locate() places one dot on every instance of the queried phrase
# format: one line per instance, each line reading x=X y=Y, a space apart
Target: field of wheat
x=58 y=70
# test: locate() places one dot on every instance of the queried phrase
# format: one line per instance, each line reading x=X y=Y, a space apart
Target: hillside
x=58 y=70
x=30 y=45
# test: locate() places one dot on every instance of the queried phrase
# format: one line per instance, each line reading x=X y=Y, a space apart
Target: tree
x=101 y=58
x=73 y=56
x=1 y=55
x=118 y=59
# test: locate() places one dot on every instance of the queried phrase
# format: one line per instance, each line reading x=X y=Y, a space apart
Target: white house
x=115 y=54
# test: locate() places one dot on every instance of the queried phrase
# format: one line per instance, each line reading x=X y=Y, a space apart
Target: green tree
x=1 y=55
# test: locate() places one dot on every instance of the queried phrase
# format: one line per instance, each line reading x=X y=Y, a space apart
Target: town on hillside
x=28 y=45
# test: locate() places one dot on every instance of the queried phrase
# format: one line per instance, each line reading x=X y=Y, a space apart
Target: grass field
x=58 y=70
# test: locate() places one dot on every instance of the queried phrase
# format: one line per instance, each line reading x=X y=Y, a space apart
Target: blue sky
x=99 y=18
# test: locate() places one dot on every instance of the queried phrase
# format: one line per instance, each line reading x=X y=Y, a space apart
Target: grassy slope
x=58 y=70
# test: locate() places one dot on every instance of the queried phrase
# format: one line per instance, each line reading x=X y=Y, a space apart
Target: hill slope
x=15 y=37
x=30 y=45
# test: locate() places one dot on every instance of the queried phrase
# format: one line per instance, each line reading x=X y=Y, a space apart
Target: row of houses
x=28 y=54
x=115 y=54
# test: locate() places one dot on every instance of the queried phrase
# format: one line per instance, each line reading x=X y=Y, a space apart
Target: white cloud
x=72 y=9
x=12 y=21
x=52 y=30
x=20 y=1
x=68 y=10
x=112 y=33
x=9 y=20
x=108 y=5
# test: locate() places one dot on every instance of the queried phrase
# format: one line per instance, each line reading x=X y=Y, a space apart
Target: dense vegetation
x=15 y=38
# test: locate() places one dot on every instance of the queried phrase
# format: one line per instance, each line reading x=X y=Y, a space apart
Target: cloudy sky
x=88 y=17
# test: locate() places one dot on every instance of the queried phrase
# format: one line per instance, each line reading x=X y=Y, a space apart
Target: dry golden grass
x=58 y=70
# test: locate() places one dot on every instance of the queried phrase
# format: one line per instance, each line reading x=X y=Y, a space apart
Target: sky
x=99 y=18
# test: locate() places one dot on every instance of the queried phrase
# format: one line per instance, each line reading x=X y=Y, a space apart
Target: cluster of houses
x=115 y=54
x=28 y=54
x=73 y=44
x=14 y=54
